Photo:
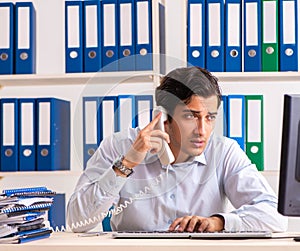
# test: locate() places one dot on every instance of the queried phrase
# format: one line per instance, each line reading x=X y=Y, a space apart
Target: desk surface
x=72 y=242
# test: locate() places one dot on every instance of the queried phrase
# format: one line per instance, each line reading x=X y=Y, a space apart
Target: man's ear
x=167 y=126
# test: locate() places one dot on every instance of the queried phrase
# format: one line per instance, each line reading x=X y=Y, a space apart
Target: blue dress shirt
x=155 y=195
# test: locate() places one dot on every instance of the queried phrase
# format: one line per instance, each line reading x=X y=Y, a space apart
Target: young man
x=189 y=194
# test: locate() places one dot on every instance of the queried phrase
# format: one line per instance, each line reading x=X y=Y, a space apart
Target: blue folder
x=27 y=134
x=7 y=39
x=32 y=235
x=73 y=36
x=143 y=47
x=9 y=134
x=252 y=36
x=126 y=111
x=126 y=10
x=92 y=36
x=233 y=34
x=91 y=126
x=57 y=212
x=221 y=120
x=53 y=139
x=236 y=105
x=110 y=31
x=288 y=35
x=215 y=50
x=109 y=115
x=25 y=51
x=143 y=110
x=196 y=33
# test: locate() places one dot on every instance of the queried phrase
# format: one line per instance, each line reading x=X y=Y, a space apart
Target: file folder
x=110 y=35
x=9 y=134
x=288 y=36
x=74 y=36
x=25 y=55
x=108 y=116
x=27 y=134
x=57 y=212
x=233 y=44
x=215 y=36
x=252 y=36
x=143 y=110
x=196 y=33
x=126 y=111
x=7 y=38
x=39 y=191
x=92 y=36
x=91 y=127
x=270 y=35
x=236 y=119
x=221 y=120
x=37 y=234
x=255 y=130
x=53 y=139
x=127 y=35
x=144 y=48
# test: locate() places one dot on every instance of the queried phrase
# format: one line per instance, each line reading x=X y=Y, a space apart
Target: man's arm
x=91 y=201
x=251 y=195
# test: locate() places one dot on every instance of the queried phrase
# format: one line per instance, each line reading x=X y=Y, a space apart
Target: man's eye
x=188 y=116
x=211 y=117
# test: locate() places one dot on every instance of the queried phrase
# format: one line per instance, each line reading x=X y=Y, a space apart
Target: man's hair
x=179 y=85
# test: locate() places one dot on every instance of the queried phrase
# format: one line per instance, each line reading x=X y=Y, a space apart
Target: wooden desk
x=71 y=242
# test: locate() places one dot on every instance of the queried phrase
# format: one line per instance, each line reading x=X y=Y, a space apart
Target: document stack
x=22 y=214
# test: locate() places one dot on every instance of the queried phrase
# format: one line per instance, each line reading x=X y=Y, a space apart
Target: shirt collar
x=200 y=159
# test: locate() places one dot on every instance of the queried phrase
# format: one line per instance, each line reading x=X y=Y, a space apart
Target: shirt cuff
x=232 y=222
x=111 y=183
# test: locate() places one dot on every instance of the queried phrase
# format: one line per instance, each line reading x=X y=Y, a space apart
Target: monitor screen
x=289 y=179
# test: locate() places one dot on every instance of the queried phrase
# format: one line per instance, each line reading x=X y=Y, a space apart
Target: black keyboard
x=194 y=235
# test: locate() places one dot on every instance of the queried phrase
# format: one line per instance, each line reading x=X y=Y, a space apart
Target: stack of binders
x=34 y=134
x=241 y=117
x=110 y=35
x=104 y=115
x=22 y=214
x=18 y=38
x=269 y=41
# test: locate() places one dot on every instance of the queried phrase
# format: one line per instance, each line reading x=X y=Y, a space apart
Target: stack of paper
x=22 y=214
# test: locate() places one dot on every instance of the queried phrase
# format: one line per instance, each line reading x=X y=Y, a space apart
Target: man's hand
x=198 y=224
x=148 y=139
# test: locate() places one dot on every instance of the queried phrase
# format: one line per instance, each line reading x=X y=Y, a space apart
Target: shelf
x=136 y=77
x=77 y=78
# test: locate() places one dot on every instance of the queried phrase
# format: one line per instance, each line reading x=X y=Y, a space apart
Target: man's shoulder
x=220 y=139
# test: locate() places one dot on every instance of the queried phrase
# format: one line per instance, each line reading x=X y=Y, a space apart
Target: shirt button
x=170 y=221
x=172 y=196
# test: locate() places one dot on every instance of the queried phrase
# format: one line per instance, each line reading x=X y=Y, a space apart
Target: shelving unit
x=51 y=80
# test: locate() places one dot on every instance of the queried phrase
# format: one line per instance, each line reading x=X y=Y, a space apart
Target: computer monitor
x=289 y=179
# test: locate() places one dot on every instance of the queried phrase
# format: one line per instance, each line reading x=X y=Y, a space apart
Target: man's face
x=192 y=126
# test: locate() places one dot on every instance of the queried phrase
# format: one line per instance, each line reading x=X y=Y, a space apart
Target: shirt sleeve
x=97 y=189
x=250 y=194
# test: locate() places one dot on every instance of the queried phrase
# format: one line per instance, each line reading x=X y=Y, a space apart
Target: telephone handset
x=165 y=154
